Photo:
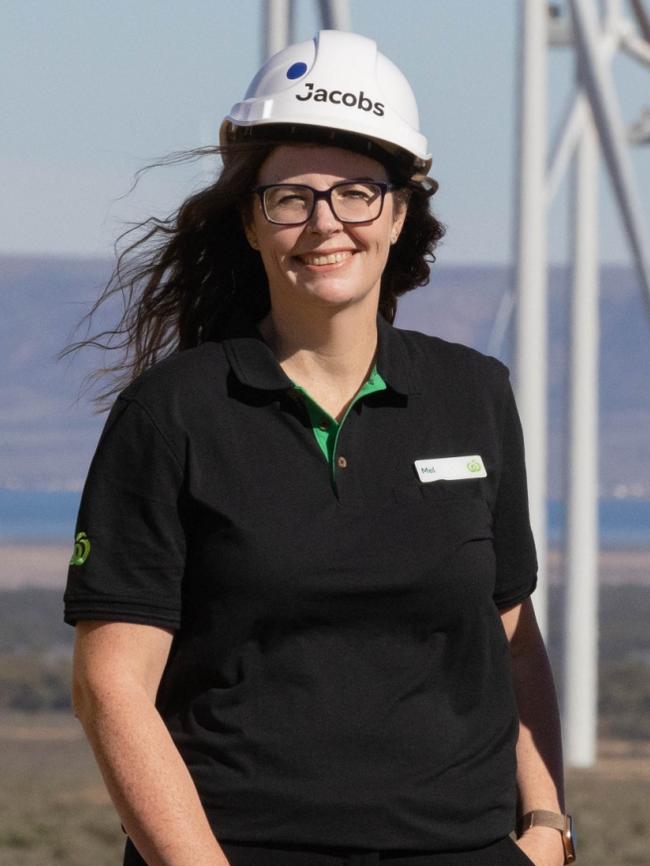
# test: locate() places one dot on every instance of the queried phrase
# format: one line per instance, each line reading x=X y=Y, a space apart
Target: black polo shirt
x=339 y=674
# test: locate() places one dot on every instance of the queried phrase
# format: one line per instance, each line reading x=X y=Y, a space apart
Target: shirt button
x=324 y=424
x=341 y=462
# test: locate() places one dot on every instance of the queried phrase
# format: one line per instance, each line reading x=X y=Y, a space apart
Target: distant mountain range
x=47 y=436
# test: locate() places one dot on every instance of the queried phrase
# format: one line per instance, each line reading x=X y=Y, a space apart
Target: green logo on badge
x=81 y=549
x=474 y=466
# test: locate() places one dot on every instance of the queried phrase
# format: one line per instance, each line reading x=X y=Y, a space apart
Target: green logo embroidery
x=474 y=466
x=81 y=549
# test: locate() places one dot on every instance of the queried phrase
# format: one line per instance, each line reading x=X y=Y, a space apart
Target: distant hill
x=48 y=438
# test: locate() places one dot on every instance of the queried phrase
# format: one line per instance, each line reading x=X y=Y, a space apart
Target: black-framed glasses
x=351 y=201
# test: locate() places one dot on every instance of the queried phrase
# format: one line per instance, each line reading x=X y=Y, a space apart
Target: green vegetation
x=624 y=703
x=36 y=648
x=31 y=620
x=34 y=682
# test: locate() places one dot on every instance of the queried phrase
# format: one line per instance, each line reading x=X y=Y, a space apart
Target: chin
x=335 y=298
x=337 y=294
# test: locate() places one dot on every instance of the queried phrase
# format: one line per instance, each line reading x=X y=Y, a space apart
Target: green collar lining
x=325 y=428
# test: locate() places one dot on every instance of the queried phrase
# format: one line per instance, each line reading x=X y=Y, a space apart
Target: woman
x=303 y=563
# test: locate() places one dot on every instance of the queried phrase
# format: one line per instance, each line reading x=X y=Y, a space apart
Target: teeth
x=326 y=260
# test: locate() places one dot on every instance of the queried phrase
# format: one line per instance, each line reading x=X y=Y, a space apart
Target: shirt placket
x=343 y=470
x=329 y=433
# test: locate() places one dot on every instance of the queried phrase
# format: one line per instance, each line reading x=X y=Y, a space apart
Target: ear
x=400 y=208
x=249 y=231
x=251 y=237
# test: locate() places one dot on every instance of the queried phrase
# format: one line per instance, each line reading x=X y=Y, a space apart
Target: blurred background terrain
x=53 y=806
x=92 y=92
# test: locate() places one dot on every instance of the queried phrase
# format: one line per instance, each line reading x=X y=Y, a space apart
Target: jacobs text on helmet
x=338 y=97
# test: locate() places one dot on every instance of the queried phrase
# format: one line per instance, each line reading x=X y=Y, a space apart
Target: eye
x=287 y=197
x=361 y=192
x=291 y=198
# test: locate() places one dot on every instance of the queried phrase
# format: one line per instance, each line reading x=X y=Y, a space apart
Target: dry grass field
x=54 y=810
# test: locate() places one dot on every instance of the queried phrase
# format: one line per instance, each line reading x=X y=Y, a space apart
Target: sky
x=92 y=91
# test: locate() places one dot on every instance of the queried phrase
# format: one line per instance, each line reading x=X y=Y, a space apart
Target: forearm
x=539 y=746
x=539 y=750
x=147 y=779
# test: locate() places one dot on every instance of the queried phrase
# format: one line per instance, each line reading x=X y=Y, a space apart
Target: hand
x=542 y=845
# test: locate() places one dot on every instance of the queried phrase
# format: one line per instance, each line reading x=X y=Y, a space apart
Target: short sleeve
x=516 y=561
x=129 y=555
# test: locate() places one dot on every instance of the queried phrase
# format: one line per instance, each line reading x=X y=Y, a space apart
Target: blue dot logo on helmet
x=296 y=70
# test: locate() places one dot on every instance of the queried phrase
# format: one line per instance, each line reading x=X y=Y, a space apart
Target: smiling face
x=324 y=262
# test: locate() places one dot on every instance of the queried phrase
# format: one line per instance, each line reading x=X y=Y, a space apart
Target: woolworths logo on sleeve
x=81 y=550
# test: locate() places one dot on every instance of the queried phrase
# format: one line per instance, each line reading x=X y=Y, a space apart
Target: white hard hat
x=337 y=82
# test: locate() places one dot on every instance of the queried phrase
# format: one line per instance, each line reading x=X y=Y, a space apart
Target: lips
x=333 y=258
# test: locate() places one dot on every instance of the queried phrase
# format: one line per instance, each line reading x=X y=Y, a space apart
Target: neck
x=330 y=354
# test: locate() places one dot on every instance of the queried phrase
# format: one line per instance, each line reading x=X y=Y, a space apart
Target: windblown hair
x=182 y=277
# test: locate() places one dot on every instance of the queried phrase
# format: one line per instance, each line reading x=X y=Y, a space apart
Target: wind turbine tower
x=592 y=126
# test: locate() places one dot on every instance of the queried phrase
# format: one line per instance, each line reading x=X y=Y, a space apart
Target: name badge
x=451 y=468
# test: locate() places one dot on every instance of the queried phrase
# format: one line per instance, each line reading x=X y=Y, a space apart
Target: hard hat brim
x=401 y=164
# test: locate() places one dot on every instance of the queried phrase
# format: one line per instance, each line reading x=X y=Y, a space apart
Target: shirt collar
x=394 y=363
x=255 y=365
x=251 y=360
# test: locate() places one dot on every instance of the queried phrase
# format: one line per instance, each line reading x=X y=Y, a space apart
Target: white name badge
x=451 y=468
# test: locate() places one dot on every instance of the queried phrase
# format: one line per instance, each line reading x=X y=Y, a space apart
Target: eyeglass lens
x=350 y=202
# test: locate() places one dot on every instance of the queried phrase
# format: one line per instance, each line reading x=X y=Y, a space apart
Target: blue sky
x=91 y=91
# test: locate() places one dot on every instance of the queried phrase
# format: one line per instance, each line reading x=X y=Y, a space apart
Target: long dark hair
x=180 y=278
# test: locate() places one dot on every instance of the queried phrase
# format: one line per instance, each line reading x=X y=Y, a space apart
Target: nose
x=323 y=220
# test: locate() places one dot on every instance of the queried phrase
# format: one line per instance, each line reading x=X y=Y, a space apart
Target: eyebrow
x=345 y=180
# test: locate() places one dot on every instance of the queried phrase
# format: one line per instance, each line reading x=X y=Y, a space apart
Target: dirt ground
x=54 y=809
x=43 y=565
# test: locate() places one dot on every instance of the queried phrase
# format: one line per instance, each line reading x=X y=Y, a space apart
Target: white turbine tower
x=593 y=120
x=279 y=20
